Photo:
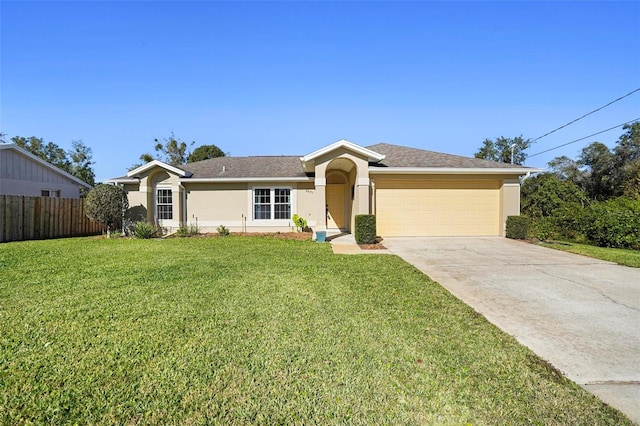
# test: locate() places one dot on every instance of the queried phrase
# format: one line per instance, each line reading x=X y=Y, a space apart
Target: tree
x=554 y=205
x=106 y=204
x=504 y=150
x=545 y=193
x=171 y=150
x=566 y=169
x=81 y=161
x=76 y=162
x=205 y=152
x=627 y=161
x=599 y=180
x=49 y=152
x=628 y=148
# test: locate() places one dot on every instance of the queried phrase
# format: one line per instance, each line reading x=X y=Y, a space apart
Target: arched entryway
x=337 y=208
x=340 y=177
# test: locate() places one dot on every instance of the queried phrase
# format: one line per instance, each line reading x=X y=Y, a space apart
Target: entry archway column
x=362 y=187
x=320 y=204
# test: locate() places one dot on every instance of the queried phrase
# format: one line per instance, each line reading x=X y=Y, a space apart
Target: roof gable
x=43 y=163
x=157 y=163
x=342 y=143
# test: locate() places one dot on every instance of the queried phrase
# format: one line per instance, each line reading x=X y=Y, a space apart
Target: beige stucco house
x=22 y=173
x=412 y=192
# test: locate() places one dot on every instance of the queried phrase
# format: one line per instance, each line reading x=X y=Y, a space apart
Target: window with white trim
x=271 y=203
x=50 y=193
x=282 y=203
x=164 y=204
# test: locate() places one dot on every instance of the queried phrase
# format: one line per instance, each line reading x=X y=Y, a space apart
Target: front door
x=335 y=206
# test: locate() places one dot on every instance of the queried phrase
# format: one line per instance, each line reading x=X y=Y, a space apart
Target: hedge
x=613 y=223
x=365 y=229
x=517 y=227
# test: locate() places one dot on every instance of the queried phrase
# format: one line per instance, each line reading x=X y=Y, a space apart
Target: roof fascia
x=45 y=164
x=158 y=163
x=125 y=180
x=260 y=179
x=453 y=170
x=342 y=143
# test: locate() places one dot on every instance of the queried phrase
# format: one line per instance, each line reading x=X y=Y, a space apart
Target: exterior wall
x=231 y=204
x=138 y=206
x=213 y=204
x=306 y=194
x=510 y=201
x=134 y=195
x=21 y=175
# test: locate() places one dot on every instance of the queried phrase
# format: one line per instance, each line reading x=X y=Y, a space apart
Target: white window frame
x=272 y=203
x=269 y=204
x=51 y=193
x=164 y=204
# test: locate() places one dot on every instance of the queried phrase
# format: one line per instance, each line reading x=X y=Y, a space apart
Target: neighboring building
x=22 y=173
x=412 y=192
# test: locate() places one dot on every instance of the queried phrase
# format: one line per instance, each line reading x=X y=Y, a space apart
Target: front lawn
x=255 y=330
x=620 y=256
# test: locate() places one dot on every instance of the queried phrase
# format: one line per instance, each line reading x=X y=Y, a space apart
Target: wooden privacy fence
x=37 y=218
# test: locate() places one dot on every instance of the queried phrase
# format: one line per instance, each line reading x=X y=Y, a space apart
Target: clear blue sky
x=274 y=78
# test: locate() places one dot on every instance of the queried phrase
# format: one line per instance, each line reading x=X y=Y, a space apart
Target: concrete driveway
x=580 y=314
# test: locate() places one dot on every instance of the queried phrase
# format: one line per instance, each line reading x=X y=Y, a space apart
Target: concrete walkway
x=346 y=244
x=580 y=314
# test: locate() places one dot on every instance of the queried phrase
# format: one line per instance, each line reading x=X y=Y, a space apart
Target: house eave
x=453 y=170
x=246 y=179
x=157 y=163
x=371 y=155
x=128 y=180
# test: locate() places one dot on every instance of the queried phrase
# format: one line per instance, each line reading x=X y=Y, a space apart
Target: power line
x=587 y=114
x=581 y=139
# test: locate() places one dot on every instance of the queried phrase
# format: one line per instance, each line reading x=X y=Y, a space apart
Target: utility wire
x=587 y=114
x=581 y=139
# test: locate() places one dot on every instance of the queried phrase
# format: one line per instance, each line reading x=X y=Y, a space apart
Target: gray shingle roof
x=291 y=166
x=247 y=167
x=401 y=156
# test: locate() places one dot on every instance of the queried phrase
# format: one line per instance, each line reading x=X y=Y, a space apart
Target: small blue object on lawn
x=320 y=236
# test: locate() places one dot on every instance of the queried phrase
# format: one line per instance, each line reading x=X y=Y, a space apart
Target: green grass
x=256 y=331
x=621 y=256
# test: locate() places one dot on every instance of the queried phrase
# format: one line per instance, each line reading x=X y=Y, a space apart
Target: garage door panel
x=437 y=208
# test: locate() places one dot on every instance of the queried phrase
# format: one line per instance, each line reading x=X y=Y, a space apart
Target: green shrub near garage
x=365 y=229
x=517 y=227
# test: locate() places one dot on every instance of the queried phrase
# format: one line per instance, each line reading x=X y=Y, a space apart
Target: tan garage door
x=437 y=207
